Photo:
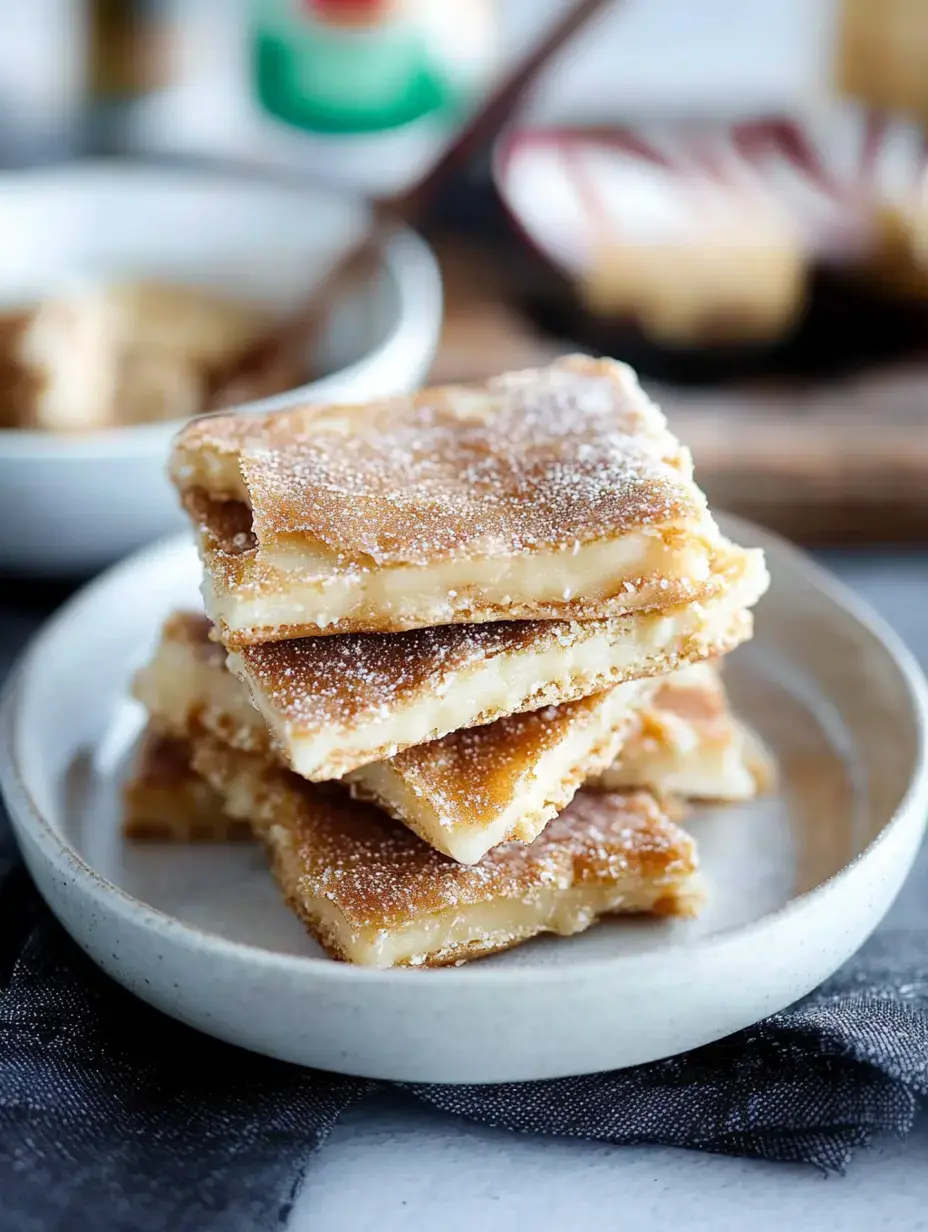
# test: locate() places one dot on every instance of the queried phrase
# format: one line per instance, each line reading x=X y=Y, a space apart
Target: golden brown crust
x=379 y=874
x=471 y=777
x=528 y=461
x=482 y=765
x=331 y=852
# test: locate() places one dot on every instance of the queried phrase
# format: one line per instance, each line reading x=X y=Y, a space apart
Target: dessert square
x=463 y=794
x=374 y=894
x=556 y=493
x=472 y=789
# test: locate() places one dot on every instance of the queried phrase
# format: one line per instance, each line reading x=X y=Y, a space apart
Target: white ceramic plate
x=798 y=881
x=265 y=241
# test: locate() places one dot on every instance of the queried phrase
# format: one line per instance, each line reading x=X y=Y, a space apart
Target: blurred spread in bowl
x=111 y=236
x=126 y=352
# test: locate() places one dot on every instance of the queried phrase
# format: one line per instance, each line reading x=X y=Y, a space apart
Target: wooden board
x=842 y=462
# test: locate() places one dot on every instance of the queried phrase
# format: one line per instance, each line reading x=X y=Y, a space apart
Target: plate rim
x=115 y=900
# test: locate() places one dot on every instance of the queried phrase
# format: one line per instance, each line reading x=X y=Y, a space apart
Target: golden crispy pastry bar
x=556 y=493
x=372 y=893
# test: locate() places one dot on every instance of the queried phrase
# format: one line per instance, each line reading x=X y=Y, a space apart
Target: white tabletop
x=393 y=1165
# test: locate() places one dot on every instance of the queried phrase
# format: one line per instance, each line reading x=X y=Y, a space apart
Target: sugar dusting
x=471 y=776
x=539 y=460
x=535 y=460
x=379 y=875
x=342 y=679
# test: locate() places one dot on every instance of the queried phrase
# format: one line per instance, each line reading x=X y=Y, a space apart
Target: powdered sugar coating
x=379 y=875
x=469 y=777
x=310 y=682
x=530 y=461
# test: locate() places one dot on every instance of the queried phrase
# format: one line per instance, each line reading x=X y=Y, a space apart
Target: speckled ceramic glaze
x=797 y=881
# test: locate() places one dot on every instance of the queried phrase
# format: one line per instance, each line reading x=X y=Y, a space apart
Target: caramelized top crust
x=379 y=875
x=314 y=681
x=530 y=461
x=471 y=775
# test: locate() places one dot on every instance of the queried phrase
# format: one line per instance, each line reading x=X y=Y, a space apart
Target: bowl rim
x=404 y=255
x=66 y=861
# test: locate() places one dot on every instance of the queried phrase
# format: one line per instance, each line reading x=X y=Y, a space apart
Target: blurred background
x=179 y=70
x=731 y=195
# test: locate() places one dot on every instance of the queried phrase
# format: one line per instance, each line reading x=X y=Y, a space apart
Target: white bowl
x=797 y=880
x=69 y=504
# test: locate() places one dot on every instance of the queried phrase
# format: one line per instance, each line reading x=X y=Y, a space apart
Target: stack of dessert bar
x=459 y=667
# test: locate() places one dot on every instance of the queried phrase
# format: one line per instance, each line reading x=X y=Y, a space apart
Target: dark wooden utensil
x=253 y=373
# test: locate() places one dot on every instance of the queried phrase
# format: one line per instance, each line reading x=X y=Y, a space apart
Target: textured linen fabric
x=807 y=1085
x=114 y=1117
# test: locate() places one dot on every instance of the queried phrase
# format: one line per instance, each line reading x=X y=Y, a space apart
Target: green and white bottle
x=372 y=87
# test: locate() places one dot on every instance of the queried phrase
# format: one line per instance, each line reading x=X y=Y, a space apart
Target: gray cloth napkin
x=114 y=1117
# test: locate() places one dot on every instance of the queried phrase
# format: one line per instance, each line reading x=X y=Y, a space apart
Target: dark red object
x=345 y=8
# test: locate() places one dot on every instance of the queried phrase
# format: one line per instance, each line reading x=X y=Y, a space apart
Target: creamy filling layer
x=508 y=684
x=310 y=589
x=538 y=795
x=489 y=926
